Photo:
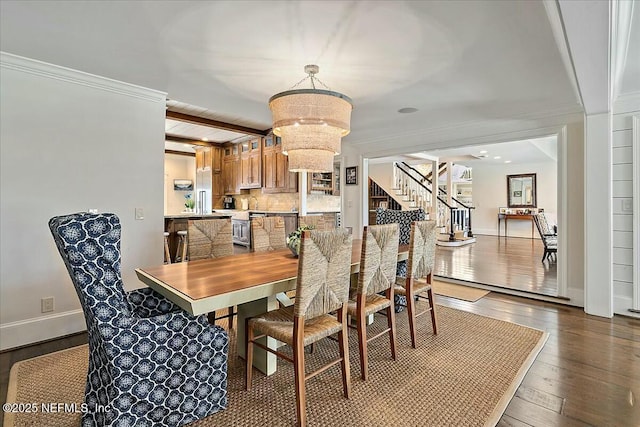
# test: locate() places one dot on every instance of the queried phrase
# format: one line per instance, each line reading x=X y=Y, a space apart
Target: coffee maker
x=229 y=202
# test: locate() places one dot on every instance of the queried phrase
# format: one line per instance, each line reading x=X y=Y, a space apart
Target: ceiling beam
x=179 y=153
x=174 y=138
x=214 y=123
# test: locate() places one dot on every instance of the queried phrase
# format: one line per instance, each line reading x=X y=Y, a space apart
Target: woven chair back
x=316 y=222
x=378 y=258
x=209 y=238
x=324 y=268
x=268 y=234
x=422 y=249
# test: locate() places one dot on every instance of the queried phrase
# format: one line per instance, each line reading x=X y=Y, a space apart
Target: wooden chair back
x=209 y=238
x=378 y=258
x=268 y=234
x=324 y=269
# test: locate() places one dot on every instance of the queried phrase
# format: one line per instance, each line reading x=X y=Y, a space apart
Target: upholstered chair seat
x=150 y=363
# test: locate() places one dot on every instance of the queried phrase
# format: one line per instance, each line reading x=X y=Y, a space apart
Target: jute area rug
x=464 y=376
x=466 y=293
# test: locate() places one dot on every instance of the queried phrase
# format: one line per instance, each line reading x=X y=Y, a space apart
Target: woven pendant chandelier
x=311 y=123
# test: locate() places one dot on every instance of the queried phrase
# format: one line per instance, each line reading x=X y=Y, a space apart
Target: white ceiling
x=459 y=63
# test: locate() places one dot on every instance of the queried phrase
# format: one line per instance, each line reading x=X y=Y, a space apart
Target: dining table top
x=203 y=285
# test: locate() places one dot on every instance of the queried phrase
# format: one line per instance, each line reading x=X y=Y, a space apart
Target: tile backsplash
x=289 y=201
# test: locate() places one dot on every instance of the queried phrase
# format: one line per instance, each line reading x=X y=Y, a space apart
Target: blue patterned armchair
x=404 y=220
x=150 y=363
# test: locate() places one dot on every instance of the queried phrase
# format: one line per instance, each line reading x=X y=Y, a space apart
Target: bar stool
x=181 y=253
x=167 y=254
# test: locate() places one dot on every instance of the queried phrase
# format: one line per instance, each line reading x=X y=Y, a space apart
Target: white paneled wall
x=622 y=213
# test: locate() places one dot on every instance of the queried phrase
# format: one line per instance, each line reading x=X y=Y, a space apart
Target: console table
x=519 y=217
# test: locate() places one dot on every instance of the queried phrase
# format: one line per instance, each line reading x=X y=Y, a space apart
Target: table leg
x=264 y=361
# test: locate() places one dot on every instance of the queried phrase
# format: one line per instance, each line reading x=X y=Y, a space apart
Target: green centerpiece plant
x=293 y=241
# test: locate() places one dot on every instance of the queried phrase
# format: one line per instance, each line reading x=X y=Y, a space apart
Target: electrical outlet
x=46 y=304
x=627 y=205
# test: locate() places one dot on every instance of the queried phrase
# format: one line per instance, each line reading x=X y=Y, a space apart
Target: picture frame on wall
x=351 y=177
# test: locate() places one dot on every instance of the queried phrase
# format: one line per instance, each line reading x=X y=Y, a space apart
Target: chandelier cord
x=312 y=78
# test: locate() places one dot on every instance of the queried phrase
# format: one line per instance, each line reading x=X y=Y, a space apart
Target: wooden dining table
x=250 y=281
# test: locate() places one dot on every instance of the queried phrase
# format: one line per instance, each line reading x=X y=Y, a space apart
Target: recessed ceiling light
x=497 y=158
x=407 y=110
x=205 y=139
x=507 y=161
x=483 y=152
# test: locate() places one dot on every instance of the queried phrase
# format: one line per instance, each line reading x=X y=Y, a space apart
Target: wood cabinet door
x=216 y=159
x=255 y=167
x=269 y=170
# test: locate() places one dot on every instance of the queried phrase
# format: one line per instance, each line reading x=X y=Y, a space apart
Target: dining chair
x=377 y=275
x=316 y=222
x=147 y=357
x=268 y=234
x=404 y=220
x=211 y=238
x=549 y=237
x=322 y=288
x=422 y=249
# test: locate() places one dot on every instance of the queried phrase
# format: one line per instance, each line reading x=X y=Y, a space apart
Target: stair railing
x=456 y=216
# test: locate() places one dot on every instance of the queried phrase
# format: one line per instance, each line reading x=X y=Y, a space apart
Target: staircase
x=413 y=190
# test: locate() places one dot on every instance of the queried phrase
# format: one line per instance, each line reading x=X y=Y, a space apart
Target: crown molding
x=627 y=103
x=10 y=61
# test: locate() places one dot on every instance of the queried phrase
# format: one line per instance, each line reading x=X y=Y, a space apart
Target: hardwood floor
x=588 y=373
x=513 y=263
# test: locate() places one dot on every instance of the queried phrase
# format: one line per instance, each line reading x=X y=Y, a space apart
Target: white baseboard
x=24 y=332
x=622 y=304
x=576 y=296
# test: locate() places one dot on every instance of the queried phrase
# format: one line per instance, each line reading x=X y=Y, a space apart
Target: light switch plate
x=139 y=213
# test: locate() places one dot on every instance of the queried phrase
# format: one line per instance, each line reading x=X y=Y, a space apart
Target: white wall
x=490 y=193
x=622 y=208
x=71 y=141
x=177 y=166
x=576 y=216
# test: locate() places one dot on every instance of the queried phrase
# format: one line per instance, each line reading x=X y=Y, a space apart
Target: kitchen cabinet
x=276 y=177
x=241 y=232
x=251 y=164
x=321 y=183
x=231 y=169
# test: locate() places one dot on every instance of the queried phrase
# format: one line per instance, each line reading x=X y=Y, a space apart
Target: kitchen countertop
x=193 y=215
x=238 y=214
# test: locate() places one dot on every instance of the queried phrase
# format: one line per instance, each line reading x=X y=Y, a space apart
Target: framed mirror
x=521 y=190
